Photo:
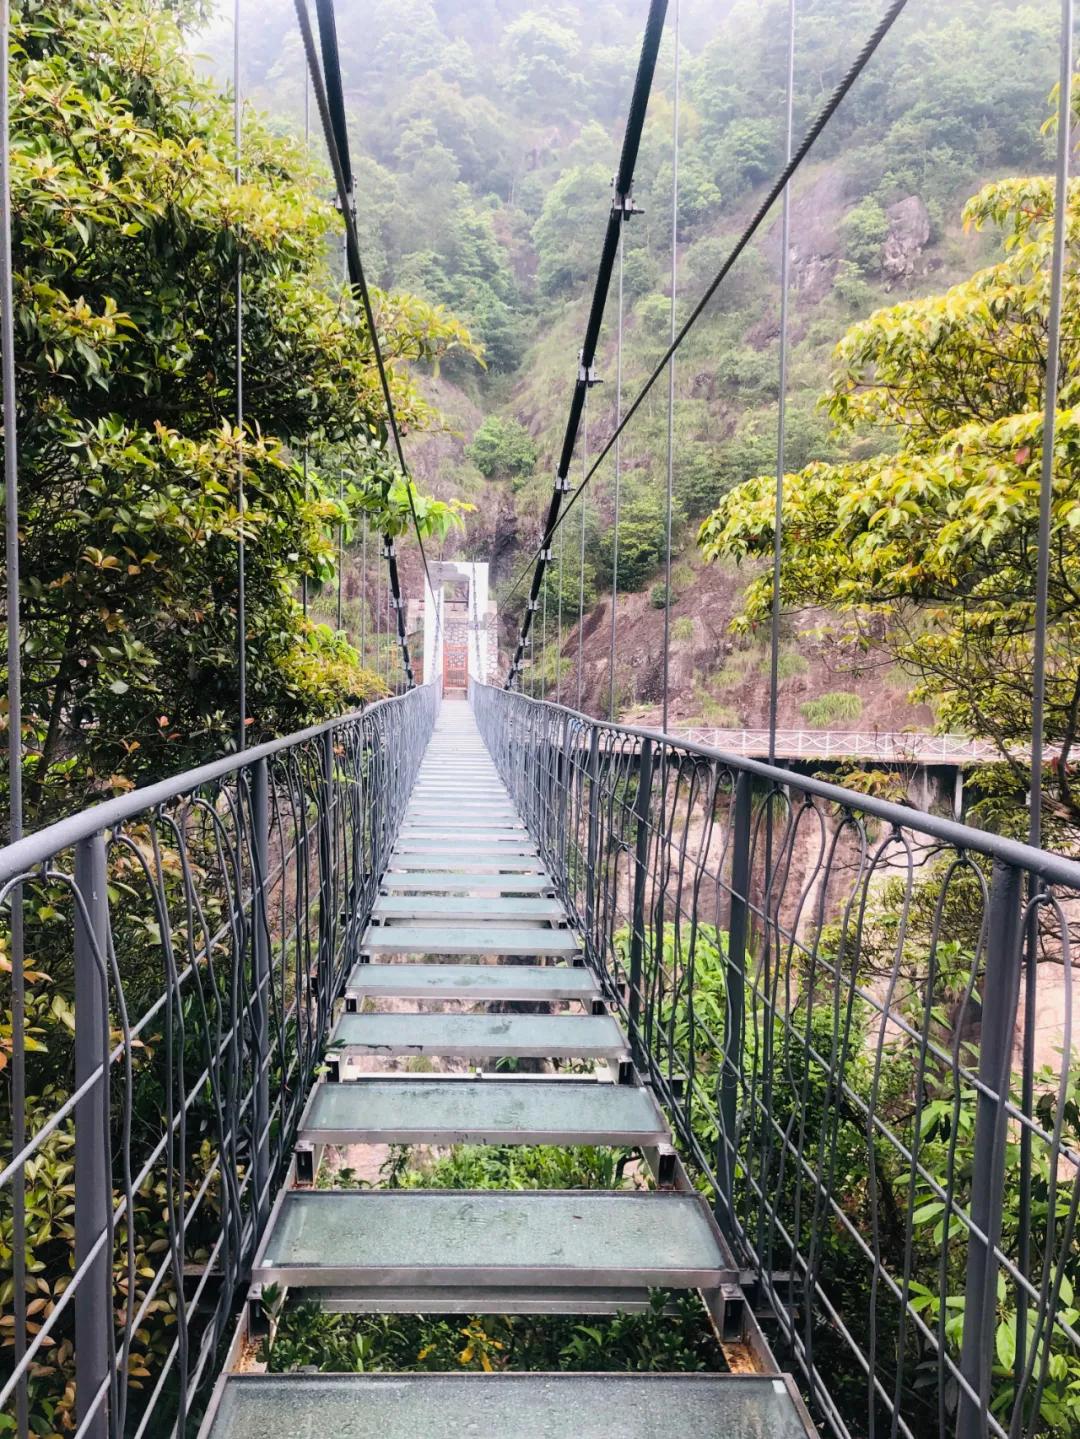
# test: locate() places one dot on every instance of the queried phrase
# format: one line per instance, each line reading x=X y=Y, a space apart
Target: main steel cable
x=334 y=125
x=335 y=133
x=241 y=556
x=622 y=202
x=336 y=101
x=781 y=421
x=670 y=485
x=12 y=560
x=805 y=146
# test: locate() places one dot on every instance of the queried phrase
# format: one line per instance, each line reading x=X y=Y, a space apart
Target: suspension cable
x=14 y=721
x=896 y=8
x=307 y=151
x=670 y=485
x=1053 y=368
x=581 y=558
x=241 y=557
x=622 y=201
x=329 y=100
x=544 y=646
x=618 y=479
x=558 y=641
x=363 y=595
x=781 y=419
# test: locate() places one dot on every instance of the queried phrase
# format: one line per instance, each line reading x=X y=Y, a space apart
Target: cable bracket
x=624 y=204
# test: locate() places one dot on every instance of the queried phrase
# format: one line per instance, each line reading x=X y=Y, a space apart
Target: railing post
x=642 y=802
x=738 y=936
x=93 y=1154
x=260 y=1011
x=1000 y=996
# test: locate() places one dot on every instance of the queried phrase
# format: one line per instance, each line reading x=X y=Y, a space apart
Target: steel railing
x=183 y=947
x=859 y=1018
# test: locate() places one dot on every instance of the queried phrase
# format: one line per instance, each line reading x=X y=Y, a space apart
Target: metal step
x=510 y=1406
x=541 y=983
x=434 y=1238
x=468 y=801
x=489 y=849
x=467 y=907
x=498 y=864
x=477 y=939
x=482 y=1036
x=466 y=831
x=441 y=1110
x=442 y=883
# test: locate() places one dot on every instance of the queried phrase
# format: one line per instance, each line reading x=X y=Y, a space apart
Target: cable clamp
x=624 y=204
x=563 y=484
x=588 y=376
x=396 y=604
x=388 y=552
x=532 y=605
x=546 y=555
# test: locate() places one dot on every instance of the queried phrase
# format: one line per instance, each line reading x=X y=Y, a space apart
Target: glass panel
x=537 y=1229
x=512 y=1406
x=486 y=1107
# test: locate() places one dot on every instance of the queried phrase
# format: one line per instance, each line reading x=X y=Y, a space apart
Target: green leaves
x=128 y=225
x=928 y=548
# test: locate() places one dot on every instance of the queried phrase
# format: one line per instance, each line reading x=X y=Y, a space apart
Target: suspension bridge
x=805 y=1018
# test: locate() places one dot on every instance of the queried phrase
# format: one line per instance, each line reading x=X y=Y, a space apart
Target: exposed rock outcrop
x=909 y=231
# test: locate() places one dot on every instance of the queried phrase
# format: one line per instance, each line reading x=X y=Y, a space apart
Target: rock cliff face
x=817 y=245
x=909 y=232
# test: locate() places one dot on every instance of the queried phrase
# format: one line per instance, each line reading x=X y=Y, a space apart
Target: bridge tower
x=460 y=625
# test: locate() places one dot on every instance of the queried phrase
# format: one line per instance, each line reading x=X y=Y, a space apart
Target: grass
x=790 y=663
x=832 y=708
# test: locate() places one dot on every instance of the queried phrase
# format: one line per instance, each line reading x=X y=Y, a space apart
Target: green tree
x=929 y=546
x=566 y=239
x=865 y=229
x=503 y=449
x=127 y=228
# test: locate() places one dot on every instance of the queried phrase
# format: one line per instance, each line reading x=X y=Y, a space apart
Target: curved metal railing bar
x=832 y=996
x=194 y=935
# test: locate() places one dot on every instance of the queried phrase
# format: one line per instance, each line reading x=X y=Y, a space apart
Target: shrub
x=829 y=709
x=503 y=449
x=865 y=228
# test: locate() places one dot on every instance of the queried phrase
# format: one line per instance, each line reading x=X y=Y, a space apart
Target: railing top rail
x=34 y=849
x=1053 y=868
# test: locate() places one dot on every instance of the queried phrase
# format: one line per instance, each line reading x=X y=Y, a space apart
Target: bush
x=829 y=709
x=659 y=597
x=683 y=628
x=865 y=228
x=503 y=449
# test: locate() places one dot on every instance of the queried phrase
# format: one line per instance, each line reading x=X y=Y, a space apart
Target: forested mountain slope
x=487 y=134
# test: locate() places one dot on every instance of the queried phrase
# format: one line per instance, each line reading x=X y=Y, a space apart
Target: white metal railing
x=893 y=745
